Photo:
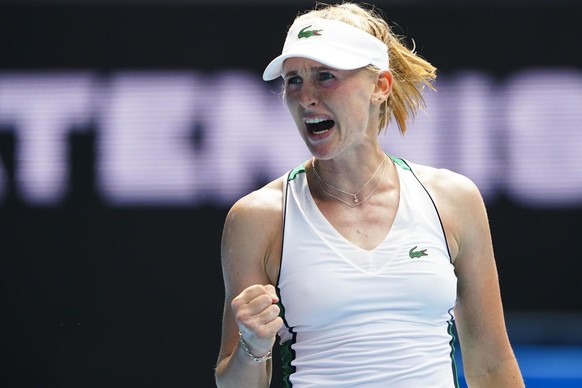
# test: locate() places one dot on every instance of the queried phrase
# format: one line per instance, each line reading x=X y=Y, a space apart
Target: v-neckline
x=323 y=219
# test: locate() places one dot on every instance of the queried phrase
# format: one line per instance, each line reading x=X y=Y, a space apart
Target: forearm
x=505 y=374
x=239 y=370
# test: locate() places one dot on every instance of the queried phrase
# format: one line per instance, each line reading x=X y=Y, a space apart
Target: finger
x=258 y=296
x=263 y=338
x=255 y=290
x=254 y=326
x=274 y=326
x=260 y=303
x=251 y=316
x=267 y=315
x=266 y=334
x=251 y=307
x=271 y=290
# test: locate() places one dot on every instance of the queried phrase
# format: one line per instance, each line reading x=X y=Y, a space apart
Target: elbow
x=505 y=373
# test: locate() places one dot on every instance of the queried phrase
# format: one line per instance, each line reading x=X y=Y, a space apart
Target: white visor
x=330 y=42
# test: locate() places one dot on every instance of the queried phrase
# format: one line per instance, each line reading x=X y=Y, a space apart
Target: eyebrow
x=311 y=69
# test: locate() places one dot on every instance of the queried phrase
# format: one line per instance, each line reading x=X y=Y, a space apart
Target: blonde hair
x=410 y=72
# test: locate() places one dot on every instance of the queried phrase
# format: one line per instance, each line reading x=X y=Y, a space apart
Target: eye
x=294 y=80
x=324 y=76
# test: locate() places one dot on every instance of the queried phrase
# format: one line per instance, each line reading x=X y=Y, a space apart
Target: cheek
x=290 y=102
x=294 y=113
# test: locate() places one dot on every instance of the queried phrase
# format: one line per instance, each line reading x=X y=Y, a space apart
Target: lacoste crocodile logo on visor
x=309 y=33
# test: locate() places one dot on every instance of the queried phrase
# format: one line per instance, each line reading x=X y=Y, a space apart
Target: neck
x=358 y=190
x=349 y=174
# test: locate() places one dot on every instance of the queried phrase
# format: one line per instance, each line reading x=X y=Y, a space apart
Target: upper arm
x=479 y=313
x=250 y=231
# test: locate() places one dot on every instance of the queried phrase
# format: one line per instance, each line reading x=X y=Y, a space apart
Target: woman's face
x=332 y=109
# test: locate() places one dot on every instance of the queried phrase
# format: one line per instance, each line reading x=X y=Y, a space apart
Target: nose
x=308 y=97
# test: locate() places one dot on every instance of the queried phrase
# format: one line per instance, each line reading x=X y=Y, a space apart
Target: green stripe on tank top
x=286 y=359
x=301 y=169
x=453 y=362
x=400 y=162
x=295 y=171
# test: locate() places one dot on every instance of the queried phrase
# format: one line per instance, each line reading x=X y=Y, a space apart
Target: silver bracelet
x=245 y=347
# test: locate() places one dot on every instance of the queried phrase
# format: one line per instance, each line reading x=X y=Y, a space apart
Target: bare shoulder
x=251 y=239
x=260 y=208
x=459 y=203
x=446 y=184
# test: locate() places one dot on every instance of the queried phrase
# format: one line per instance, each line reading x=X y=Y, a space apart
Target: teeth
x=315 y=120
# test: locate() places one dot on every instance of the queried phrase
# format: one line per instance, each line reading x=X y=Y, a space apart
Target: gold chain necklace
x=356 y=201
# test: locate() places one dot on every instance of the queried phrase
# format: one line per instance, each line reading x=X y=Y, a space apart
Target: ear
x=383 y=86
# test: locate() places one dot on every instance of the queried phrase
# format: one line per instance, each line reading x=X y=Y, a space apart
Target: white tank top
x=358 y=318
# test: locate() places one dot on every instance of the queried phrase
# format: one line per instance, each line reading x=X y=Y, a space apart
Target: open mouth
x=318 y=126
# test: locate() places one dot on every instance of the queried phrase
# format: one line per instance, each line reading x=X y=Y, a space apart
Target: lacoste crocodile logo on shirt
x=416 y=254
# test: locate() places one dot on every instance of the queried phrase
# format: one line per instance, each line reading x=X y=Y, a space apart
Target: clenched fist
x=257 y=315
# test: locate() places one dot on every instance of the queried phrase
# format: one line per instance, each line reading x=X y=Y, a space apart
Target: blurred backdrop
x=128 y=129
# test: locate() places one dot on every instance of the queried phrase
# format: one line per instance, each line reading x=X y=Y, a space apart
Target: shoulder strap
x=400 y=162
x=297 y=170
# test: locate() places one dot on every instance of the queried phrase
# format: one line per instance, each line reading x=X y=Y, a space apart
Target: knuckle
x=262 y=332
x=279 y=322
x=266 y=298
x=276 y=309
x=242 y=316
